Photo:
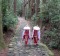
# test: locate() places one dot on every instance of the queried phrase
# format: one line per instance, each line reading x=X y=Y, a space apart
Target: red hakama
x=35 y=36
x=26 y=36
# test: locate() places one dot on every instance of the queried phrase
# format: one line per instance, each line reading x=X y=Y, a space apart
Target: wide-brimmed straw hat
x=36 y=28
x=26 y=27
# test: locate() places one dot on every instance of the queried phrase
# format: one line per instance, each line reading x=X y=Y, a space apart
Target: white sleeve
x=39 y=33
x=29 y=34
x=23 y=33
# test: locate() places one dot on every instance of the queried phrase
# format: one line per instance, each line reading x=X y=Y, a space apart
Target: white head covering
x=26 y=27
x=36 y=28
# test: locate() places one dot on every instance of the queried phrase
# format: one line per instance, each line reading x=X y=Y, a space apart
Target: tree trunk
x=29 y=1
x=15 y=7
x=1 y=32
x=24 y=8
x=37 y=9
x=32 y=7
x=44 y=1
x=9 y=4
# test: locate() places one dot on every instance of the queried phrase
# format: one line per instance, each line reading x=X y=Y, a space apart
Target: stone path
x=17 y=47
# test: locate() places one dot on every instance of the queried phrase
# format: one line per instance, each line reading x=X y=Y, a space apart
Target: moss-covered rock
x=45 y=48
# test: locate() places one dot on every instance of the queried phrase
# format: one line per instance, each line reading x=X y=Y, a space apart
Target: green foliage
x=50 y=12
x=19 y=7
x=34 y=18
x=51 y=39
x=9 y=20
x=8 y=17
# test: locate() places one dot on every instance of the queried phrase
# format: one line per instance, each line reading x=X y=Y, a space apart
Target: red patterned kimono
x=35 y=36
x=26 y=36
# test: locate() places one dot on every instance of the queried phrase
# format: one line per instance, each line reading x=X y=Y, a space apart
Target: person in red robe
x=36 y=34
x=26 y=34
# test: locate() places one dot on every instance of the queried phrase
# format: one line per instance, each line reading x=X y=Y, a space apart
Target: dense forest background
x=45 y=13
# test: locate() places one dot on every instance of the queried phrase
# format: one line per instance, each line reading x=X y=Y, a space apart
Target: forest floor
x=16 y=46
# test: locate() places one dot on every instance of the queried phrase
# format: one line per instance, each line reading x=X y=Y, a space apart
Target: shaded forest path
x=17 y=47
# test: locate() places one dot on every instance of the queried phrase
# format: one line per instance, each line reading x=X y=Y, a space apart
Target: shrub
x=50 y=15
x=9 y=20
